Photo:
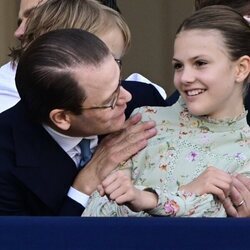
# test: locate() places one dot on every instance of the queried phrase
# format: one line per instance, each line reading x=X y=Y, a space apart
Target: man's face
x=101 y=84
x=26 y=7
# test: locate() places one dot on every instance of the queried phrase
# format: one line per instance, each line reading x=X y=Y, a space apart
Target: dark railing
x=47 y=233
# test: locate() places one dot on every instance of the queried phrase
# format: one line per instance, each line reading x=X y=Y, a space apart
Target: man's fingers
x=143 y=130
x=140 y=130
x=134 y=119
x=235 y=196
x=245 y=180
x=239 y=190
x=120 y=146
x=130 y=142
x=143 y=135
x=229 y=207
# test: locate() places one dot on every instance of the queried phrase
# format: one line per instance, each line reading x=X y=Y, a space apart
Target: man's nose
x=124 y=96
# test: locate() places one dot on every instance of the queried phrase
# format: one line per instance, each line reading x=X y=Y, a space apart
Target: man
x=68 y=91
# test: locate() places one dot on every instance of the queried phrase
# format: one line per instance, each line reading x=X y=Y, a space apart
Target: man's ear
x=60 y=118
x=243 y=68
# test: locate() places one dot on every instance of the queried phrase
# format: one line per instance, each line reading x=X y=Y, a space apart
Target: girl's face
x=205 y=75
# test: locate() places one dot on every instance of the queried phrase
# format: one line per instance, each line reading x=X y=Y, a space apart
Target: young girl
x=207 y=127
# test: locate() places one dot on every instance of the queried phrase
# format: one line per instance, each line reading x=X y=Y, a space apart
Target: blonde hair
x=88 y=15
x=114 y=19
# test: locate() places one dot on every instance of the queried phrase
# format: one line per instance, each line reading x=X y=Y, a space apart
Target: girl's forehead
x=197 y=42
x=194 y=36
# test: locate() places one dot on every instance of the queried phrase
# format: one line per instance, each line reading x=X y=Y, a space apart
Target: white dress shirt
x=70 y=146
x=8 y=92
x=140 y=78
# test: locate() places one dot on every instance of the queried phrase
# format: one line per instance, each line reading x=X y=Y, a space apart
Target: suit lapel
x=41 y=164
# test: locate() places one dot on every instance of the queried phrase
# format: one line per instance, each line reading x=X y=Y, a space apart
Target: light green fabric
x=183 y=148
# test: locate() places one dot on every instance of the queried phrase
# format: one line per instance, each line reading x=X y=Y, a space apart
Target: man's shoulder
x=143 y=94
x=141 y=90
x=16 y=117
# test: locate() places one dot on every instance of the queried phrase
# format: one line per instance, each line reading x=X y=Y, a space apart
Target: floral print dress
x=183 y=148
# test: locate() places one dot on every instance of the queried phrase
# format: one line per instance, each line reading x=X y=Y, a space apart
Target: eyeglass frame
x=116 y=93
x=112 y=105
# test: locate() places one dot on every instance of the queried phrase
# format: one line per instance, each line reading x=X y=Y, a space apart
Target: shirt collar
x=68 y=142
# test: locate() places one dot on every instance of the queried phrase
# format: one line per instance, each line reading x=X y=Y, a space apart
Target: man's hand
x=238 y=204
x=114 y=149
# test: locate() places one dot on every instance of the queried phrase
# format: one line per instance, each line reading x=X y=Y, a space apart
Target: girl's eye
x=200 y=63
x=177 y=66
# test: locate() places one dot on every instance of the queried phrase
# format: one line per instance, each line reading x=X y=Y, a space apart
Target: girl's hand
x=119 y=188
x=211 y=181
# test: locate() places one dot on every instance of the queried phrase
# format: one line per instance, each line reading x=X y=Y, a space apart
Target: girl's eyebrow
x=28 y=11
x=25 y=14
x=193 y=58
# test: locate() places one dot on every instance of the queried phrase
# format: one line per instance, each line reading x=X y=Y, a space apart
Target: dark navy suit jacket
x=35 y=172
x=247 y=106
x=142 y=95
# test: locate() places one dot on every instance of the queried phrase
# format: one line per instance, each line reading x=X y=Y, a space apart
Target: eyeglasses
x=113 y=102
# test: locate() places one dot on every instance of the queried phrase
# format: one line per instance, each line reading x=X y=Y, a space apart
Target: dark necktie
x=85 y=152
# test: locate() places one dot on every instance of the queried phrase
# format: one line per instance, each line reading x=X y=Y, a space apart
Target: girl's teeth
x=194 y=92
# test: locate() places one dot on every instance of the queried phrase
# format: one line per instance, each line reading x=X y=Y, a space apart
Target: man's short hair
x=44 y=77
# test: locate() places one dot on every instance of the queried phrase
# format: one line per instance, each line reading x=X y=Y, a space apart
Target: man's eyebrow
x=109 y=98
x=112 y=95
